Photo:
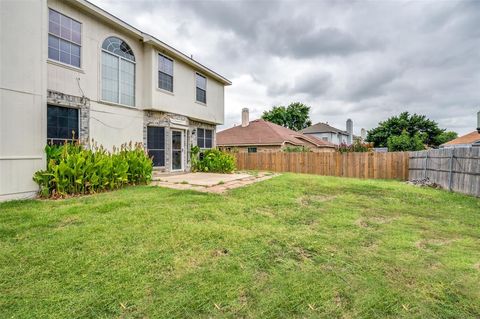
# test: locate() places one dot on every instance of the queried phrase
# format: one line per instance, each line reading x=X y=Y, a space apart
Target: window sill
x=165 y=91
x=117 y=104
x=201 y=103
x=66 y=66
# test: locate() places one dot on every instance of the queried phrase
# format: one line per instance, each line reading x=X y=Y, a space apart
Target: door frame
x=182 y=151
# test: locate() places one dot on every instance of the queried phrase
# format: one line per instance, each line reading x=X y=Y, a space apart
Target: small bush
x=357 y=146
x=296 y=149
x=73 y=169
x=213 y=161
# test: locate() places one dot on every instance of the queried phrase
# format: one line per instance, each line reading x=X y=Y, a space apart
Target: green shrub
x=73 y=169
x=357 y=146
x=405 y=142
x=296 y=149
x=212 y=160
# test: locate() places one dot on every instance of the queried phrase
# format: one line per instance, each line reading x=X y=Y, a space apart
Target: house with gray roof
x=328 y=133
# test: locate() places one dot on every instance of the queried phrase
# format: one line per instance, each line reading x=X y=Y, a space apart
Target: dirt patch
x=304 y=253
x=425 y=243
x=312 y=199
x=220 y=252
x=477 y=266
x=361 y=223
x=69 y=221
x=364 y=222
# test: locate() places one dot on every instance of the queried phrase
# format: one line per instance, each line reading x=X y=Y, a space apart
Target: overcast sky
x=346 y=59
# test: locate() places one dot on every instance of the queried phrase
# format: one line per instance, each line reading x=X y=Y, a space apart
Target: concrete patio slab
x=204 y=179
x=209 y=182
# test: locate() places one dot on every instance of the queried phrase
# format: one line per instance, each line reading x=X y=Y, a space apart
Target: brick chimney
x=245 y=119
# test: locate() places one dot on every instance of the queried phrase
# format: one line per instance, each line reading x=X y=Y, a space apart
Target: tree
x=446 y=137
x=295 y=116
x=405 y=142
x=413 y=125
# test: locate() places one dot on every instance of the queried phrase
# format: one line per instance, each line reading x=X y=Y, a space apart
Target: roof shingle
x=469 y=138
x=322 y=128
x=260 y=132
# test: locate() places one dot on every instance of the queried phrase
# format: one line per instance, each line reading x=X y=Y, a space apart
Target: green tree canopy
x=416 y=127
x=405 y=142
x=295 y=116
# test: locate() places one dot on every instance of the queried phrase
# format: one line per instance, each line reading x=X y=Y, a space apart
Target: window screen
x=64 y=38
x=201 y=84
x=156 y=144
x=118 y=72
x=204 y=138
x=62 y=124
x=165 y=73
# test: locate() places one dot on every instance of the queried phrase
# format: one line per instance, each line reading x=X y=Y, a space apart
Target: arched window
x=118 y=72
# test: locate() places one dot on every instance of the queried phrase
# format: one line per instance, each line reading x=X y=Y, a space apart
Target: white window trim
x=204 y=138
x=81 y=43
x=195 y=88
x=172 y=92
x=119 y=78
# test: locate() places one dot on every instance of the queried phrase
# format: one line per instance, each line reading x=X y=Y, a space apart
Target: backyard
x=292 y=246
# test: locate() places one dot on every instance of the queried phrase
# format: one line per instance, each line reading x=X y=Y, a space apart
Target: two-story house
x=70 y=70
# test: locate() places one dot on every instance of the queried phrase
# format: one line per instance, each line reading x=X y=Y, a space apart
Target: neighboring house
x=71 y=66
x=262 y=136
x=467 y=140
x=331 y=134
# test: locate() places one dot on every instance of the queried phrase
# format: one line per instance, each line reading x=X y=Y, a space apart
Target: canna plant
x=74 y=169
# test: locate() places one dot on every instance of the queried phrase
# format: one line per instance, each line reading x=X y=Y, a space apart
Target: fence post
x=450 y=173
x=426 y=163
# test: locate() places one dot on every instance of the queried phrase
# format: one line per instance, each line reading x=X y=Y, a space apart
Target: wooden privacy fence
x=361 y=165
x=455 y=169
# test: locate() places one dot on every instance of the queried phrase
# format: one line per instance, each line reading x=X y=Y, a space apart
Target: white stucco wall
x=183 y=99
x=332 y=137
x=22 y=95
x=113 y=125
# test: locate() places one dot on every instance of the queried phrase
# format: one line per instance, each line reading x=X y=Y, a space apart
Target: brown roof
x=469 y=138
x=260 y=132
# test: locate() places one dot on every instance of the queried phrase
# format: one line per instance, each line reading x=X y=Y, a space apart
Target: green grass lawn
x=293 y=246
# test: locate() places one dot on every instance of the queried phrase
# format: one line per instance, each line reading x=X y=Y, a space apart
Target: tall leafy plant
x=212 y=160
x=73 y=169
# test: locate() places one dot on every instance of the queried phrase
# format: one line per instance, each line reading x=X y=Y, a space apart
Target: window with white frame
x=118 y=72
x=201 y=84
x=64 y=38
x=165 y=73
x=204 y=138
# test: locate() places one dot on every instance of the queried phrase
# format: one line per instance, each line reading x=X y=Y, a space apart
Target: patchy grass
x=293 y=246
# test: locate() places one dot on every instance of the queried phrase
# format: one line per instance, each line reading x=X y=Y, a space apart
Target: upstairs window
x=165 y=73
x=64 y=38
x=201 y=83
x=204 y=138
x=62 y=124
x=118 y=72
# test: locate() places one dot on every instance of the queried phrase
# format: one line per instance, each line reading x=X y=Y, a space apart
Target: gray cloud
x=363 y=60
